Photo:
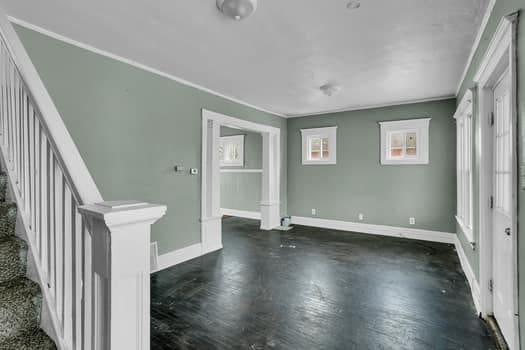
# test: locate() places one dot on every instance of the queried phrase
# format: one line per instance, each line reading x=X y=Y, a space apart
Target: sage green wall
x=358 y=183
x=502 y=8
x=132 y=127
x=242 y=191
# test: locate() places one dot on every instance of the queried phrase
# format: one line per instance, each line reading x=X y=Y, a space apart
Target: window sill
x=467 y=231
x=404 y=162
x=231 y=165
x=319 y=162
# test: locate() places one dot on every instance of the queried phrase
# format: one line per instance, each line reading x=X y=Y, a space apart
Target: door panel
x=502 y=214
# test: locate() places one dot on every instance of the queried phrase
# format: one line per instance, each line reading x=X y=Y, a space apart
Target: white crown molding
x=477 y=40
x=469 y=273
x=465 y=106
x=383 y=230
x=373 y=106
x=499 y=44
x=241 y=213
x=147 y=68
x=182 y=81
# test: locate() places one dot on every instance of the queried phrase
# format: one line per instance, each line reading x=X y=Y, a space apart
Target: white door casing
x=211 y=230
x=502 y=209
x=500 y=57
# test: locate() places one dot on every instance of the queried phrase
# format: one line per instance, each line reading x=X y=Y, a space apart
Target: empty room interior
x=262 y=174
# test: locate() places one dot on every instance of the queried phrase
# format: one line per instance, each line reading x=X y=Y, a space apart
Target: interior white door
x=503 y=270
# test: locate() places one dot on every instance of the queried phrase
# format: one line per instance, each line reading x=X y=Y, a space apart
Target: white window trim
x=331 y=133
x=237 y=139
x=464 y=149
x=421 y=126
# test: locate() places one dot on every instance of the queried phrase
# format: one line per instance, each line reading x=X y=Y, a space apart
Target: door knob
x=507 y=231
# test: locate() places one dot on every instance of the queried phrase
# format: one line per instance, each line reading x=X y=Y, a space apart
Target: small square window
x=319 y=145
x=231 y=151
x=405 y=141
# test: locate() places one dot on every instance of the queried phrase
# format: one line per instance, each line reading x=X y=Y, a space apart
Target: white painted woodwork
x=211 y=230
x=464 y=166
x=241 y=213
x=82 y=263
x=327 y=132
x=120 y=232
x=469 y=274
x=502 y=212
x=418 y=126
x=499 y=57
x=383 y=230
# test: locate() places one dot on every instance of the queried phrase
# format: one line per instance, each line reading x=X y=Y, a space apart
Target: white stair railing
x=92 y=257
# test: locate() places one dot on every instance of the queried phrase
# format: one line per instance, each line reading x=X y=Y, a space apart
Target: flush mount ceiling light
x=354 y=4
x=237 y=9
x=330 y=89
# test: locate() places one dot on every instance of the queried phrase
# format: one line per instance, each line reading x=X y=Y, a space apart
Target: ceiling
x=384 y=52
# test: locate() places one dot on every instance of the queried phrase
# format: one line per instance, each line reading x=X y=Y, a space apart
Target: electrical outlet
x=361 y=217
x=412 y=221
x=314 y=212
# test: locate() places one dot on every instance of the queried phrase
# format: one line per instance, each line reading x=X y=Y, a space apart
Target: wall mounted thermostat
x=194 y=171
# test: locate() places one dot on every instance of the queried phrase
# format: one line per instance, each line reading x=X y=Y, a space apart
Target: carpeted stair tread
x=3 y=186
x=35 y=339
x=7 y=219
x=13 y=258
x=20 y=298
x=20 y=305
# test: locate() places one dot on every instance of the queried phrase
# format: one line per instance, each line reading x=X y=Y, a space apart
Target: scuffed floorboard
x=313 y=288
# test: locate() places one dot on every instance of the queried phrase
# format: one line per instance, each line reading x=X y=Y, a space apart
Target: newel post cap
x=122 y=213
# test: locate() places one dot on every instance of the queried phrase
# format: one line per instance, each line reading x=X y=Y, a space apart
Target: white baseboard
x=178 y=256
x=469 y=273
x=403 y=232
x=241 y=213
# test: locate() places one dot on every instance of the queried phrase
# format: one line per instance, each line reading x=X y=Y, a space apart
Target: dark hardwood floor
x=316 y=289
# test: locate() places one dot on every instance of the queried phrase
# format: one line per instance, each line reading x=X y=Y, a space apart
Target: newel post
x=120 y=234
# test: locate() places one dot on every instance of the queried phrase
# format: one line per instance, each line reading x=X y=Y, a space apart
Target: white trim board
x=178 y=256
x=499 y=57
x=142 y=66
x=373 y=106
x=241 y=213
x=477 y=40
x=393 y=231
x=469 y=273
x=241 y=170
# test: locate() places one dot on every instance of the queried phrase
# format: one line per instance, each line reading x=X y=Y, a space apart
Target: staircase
x=20 y=298
x=91 y=258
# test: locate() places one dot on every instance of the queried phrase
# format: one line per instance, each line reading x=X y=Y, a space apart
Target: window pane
x=396 y=140
x=315 y=148
x=325 y=148
x=396 y=152
x=412 y=151
x=231 y=152
x=411 y=140
x=315 y=144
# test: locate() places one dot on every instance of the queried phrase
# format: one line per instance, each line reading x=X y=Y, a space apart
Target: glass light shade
x=237 y=9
